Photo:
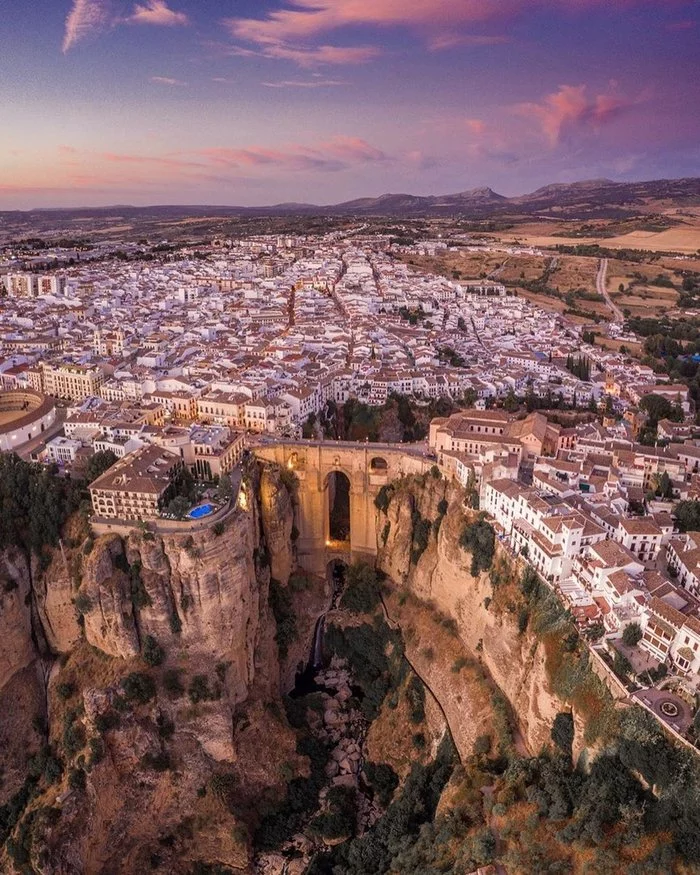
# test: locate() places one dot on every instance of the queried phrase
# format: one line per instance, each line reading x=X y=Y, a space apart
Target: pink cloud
x=290 y=29
x=152 y=160
x=89 y=18
x=85 y=19
x=335 y=154
x=168 y=80
x=475 y=125
x=157 y=12
x=301 y=83
x=570 y=107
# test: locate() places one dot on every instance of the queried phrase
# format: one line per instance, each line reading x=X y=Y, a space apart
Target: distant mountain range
x=590 y=199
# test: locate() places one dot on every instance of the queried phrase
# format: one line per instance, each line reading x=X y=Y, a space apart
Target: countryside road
x=602 y=288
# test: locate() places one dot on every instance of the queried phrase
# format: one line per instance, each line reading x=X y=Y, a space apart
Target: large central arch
x=338 y=511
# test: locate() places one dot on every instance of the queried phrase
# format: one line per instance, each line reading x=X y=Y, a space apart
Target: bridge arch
x=338 y=506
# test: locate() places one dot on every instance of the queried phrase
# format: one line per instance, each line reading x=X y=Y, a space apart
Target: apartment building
x=75 y=382
x=670 y=634
x=137 y=486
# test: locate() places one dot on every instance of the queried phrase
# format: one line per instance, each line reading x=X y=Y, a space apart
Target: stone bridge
x=319 y=465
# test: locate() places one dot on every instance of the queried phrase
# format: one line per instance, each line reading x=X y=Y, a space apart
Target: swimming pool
x=203 y=510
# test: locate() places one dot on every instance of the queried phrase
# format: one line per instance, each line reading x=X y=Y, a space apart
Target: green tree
x=687 y=514
x=632 y=634
x=98 y=464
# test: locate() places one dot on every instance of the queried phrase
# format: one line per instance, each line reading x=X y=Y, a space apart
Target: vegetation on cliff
x=34 y=505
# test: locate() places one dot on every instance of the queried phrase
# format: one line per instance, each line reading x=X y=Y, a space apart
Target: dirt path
x=602 y=288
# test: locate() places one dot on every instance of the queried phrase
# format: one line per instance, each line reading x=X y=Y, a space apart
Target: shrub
x=421 y=536
x=375 y=655
x=73 y=736
x=442 y=506
x=175 y=622
x=83 y=603
x=106 y=721
x=198 y=690
x=138 y=687
x=415 y=694
x=435 y=472
x=361 y=595
x=563 y=732
x=172 y=683
x=97 y=751
x=383 y=779
x=419 y=741
x=383 y=498
x=281 y=604
x=65 y=690
x=480 y=539
x=153 y=653
x=460 y=663
x=223 y=787
x=76 y=779
x=385 y=532
x=139 y=596
x=218 y=528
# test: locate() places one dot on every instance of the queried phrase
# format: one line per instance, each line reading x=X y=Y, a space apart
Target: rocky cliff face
x=189 y=612
x=442 y=575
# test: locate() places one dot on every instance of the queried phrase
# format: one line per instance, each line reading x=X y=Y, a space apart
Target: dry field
x=683 y=237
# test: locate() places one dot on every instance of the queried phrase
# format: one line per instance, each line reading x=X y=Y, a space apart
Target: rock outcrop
x=515 y=662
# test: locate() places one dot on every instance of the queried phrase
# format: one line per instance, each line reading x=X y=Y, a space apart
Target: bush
x=383 y=498
x=218 y=528
x=281 y=604
x=76 y=779
x=361 y=595
x=83 y=603
x=65 y=690
x=106 y=721
x=563 y=732
x=172 y=683
x=199 y=691
x=442 y=506
x=138 y=687
x=421 y=536
x=480 y=539
x=153 y=653
x=415 y=694
x=383 y=779
x=419 y=741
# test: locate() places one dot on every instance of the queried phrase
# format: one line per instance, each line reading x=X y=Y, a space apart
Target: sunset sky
x=257 y=102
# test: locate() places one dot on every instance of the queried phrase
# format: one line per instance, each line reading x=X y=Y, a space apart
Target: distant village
x=185 y=360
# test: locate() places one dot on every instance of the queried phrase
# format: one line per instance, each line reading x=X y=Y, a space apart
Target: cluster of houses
x=263 y=332
x=589 y=521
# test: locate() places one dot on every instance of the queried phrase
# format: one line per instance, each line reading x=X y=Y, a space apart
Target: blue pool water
x=203 y=510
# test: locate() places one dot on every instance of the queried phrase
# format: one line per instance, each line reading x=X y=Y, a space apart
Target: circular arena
x=24 y=414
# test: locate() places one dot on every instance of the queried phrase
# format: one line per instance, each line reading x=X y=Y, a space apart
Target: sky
x=252 y=102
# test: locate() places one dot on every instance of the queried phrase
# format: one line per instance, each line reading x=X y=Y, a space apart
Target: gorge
x=255 y=696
